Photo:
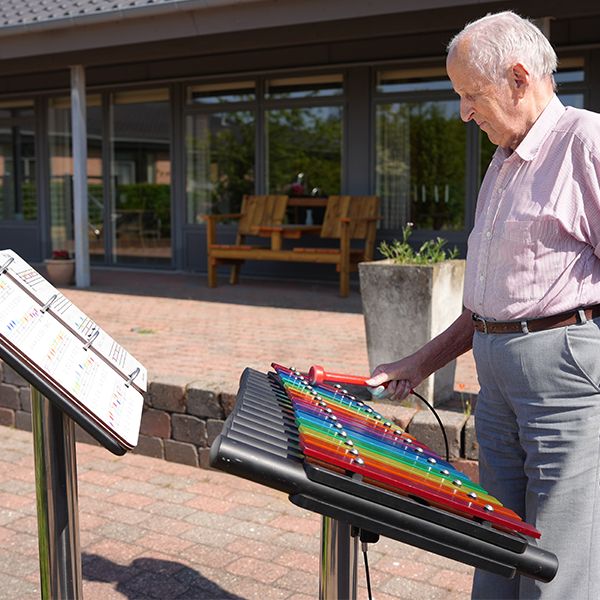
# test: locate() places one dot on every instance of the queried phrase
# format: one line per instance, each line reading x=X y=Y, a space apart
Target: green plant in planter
x=431 y=251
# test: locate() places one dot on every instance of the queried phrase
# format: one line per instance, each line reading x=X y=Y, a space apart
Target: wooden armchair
x=255 y=212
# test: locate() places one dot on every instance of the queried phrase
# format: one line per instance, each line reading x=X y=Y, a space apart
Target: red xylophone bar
x=317 y=374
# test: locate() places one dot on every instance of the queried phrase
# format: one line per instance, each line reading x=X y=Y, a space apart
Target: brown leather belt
x=571 y=317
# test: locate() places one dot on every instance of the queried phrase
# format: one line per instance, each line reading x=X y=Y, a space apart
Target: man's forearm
x=448 y=345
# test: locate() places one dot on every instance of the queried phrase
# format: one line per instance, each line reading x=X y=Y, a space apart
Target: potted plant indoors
x=60 y=268
x=408 y=298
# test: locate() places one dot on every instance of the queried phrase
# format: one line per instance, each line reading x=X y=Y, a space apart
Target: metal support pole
x=339 y=551
x=56 y=493
x=80 y=193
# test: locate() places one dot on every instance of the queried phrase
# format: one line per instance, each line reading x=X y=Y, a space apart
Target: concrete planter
x=60 y=271
x=404 y=307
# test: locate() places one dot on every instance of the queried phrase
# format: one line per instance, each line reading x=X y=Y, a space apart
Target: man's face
x=492 y=106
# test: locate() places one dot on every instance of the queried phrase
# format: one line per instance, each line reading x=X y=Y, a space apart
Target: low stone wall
x=181 y=420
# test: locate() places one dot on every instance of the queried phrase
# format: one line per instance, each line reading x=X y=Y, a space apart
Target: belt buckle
x=482 y=320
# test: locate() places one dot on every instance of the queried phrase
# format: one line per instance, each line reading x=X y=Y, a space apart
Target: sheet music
x=59 y=353
x=74 y=318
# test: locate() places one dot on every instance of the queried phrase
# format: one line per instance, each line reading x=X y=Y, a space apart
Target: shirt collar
x=531 y=143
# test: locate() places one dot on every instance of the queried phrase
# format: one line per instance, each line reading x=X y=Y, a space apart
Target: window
x=301 y=123
x=304 y=135
x=221 y=93
x=304 y=150
x=18 y=194
x=413 y=80
x=315 y=86
x=570 y=81
x=220 y=162
x=220 y=142
x=420 y=150
x=141 y=177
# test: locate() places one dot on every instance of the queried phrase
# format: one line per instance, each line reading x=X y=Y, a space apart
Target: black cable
x=366 y=538
x=438 y=420
x=364 y=551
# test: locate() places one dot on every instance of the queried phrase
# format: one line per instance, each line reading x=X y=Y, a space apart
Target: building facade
x=192 y=103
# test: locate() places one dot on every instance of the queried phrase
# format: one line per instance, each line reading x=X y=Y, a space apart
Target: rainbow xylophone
x=333 y=454
x=337 y=430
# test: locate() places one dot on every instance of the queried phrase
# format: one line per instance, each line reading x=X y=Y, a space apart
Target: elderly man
x=532 y=294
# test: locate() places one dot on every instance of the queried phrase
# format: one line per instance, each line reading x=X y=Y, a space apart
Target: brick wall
x=181 y=419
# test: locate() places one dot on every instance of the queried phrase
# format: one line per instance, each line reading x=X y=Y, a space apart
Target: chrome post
x=56 y=497
x=339 y=551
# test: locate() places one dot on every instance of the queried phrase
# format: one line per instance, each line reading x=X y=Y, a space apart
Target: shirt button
x=481 y=278
x=488 y=234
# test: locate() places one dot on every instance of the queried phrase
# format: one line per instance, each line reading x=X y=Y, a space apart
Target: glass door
x=18 y=196
x=141 y=177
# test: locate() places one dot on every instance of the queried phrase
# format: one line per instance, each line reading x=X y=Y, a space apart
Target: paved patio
x=176 y=325
x=155 y=529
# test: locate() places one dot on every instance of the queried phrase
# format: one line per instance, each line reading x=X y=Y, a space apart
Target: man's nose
x=466 y=110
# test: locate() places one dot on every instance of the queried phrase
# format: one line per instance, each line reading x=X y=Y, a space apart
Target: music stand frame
x=53 y=428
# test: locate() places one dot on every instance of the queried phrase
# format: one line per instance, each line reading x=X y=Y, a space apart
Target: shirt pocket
x=514 y=263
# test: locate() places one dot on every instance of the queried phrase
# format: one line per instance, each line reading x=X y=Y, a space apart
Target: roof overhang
x=186 y=19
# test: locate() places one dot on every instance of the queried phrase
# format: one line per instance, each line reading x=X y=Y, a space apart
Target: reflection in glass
x=219 y=93
x=420 y=164
x=95 y=183
x=575 y=100
x=61 y=176
x=314 y=86
x=141 y=177
x=18 y=195
x=304 y=153
x=220 y=162
x=569 y=76
x=413 y=80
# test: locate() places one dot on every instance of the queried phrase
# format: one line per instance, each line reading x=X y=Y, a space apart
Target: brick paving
x=177 y=326
x=156 y=529
x=153 y=529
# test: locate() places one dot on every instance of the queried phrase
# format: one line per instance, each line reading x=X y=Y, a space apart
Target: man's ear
x=519 y=76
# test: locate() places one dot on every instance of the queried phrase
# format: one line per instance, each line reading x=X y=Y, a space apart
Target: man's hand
x=395 y=380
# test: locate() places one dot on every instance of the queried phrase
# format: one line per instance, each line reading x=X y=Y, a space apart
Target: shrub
x=431 y=251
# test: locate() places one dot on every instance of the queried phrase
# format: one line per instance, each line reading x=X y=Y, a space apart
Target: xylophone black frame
x=259 y=442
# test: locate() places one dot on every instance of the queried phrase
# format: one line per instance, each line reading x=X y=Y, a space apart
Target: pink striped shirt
x=535 y=248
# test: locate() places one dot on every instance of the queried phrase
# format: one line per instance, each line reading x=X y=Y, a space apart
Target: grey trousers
x=538 y=426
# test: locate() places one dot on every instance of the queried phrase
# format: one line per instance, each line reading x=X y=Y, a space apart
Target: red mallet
x=317 y=374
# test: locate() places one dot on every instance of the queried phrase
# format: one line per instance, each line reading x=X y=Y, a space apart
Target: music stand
x=73 y=377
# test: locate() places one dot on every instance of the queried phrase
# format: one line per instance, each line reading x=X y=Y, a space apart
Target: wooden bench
x=347 y=218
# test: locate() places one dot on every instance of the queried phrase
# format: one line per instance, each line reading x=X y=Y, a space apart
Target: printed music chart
x=68 y=350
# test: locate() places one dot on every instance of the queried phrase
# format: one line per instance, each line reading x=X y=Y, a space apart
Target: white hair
x=498 y=41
